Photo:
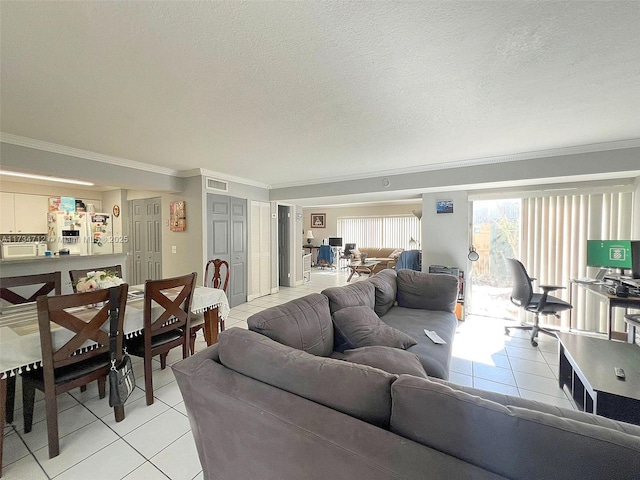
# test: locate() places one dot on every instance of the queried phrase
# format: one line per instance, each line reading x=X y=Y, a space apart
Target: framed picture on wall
x=444 y=206
x=178 y=216
x=318 y=220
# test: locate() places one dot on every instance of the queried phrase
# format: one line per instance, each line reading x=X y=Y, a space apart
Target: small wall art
x=318 y=220
x=178 y=216
x=444 y=206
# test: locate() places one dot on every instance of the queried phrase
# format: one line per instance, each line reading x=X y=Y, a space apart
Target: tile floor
x=155 y=441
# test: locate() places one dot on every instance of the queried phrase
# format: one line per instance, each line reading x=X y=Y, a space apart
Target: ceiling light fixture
x=45 y=177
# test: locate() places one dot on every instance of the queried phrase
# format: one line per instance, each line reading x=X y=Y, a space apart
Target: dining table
x=20 y=336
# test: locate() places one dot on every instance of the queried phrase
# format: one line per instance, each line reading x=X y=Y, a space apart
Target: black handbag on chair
x=121 y=378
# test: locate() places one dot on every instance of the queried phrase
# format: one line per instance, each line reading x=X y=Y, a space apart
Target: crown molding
x=85 y=154
x=516 y=157
x=122 y=162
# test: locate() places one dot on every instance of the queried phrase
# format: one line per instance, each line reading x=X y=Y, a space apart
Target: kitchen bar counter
x=13 y=267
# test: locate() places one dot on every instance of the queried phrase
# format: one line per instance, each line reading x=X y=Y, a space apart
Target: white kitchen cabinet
x=7 y=213
x=22 y=213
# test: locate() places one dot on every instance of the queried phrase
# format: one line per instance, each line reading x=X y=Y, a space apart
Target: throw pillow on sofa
x=389 y=359
x=356 y=327
x=303 y=323
x=386 y=290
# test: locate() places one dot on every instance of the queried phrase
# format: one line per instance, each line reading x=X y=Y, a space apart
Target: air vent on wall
x=219 y=185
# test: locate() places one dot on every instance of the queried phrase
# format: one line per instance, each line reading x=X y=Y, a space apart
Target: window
x=551 y=242
x=380 y=231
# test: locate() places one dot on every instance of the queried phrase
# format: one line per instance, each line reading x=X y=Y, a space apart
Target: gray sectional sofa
x=280 y=402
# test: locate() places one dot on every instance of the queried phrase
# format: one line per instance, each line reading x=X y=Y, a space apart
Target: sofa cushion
x=385 y=284
x=435 y=358
x=357 y=390
x=356 y=327
x=427 y=291
x=303 y=323
x=352 y=295
x=389 y=359
x=481 y=431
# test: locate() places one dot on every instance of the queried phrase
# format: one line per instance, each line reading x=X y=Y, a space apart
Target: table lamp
x=309 y=237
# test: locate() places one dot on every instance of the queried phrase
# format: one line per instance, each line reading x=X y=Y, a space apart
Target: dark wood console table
x=586 y=368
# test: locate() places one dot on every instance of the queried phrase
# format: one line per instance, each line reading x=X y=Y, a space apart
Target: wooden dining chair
x=76 y=275
x=49 y=282
x=166 y=323
x=42 y=284
x=67 y=362
x=213 y=273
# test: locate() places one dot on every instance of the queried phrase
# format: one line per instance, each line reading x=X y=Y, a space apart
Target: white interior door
x=260 y=249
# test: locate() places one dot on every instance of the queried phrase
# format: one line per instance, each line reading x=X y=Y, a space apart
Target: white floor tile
x=525 y=353
x=25 y=468
x=169 y=394
x=495 y=387
x=461 y=365
x=76 y=447
x=461 y=379
x=14 y=448
x=494 y=374
x=528 y=366
x=550 y=399
x=179 y=461
x=180 y=407
x=69 y=421
x=112 y=462
x=137 y=413
x=146 y=471
x=164 y=429
x=536 y=383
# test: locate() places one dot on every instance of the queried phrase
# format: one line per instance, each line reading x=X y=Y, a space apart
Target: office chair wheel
x=506 y=330
x=534 y=343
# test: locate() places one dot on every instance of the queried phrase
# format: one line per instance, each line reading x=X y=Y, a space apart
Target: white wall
x=445 y=236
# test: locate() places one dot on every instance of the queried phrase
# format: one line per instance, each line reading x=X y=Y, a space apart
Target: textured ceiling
x=288 y=92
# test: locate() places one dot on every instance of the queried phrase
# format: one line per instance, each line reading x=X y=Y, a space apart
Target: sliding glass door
x=496 y=237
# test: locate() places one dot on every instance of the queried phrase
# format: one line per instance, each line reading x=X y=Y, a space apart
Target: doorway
x=284 y=261
x=146 y=240
x=227 y=240
x=496 y=237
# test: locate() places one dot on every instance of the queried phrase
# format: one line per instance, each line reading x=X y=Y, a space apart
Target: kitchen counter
x=11 y=267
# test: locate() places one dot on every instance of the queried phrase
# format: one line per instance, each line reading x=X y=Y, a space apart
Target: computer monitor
x=337 y=242
x=609 y=254
x=635 y=258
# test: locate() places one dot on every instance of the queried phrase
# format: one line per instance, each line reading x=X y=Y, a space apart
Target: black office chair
x=537 y=303
x=346 y=253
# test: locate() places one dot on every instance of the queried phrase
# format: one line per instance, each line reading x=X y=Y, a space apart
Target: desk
x=612 y=300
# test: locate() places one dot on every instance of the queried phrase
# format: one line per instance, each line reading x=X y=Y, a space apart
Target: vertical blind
x=380 y=231
x=555 y=230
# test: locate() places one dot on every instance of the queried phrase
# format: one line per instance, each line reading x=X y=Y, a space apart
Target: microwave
x=23 y=249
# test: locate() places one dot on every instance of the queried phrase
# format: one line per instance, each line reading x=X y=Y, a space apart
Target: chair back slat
x=213 y=274
x=62 y=316
x=51 y=282
x=76 y=275
x=166 y=310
